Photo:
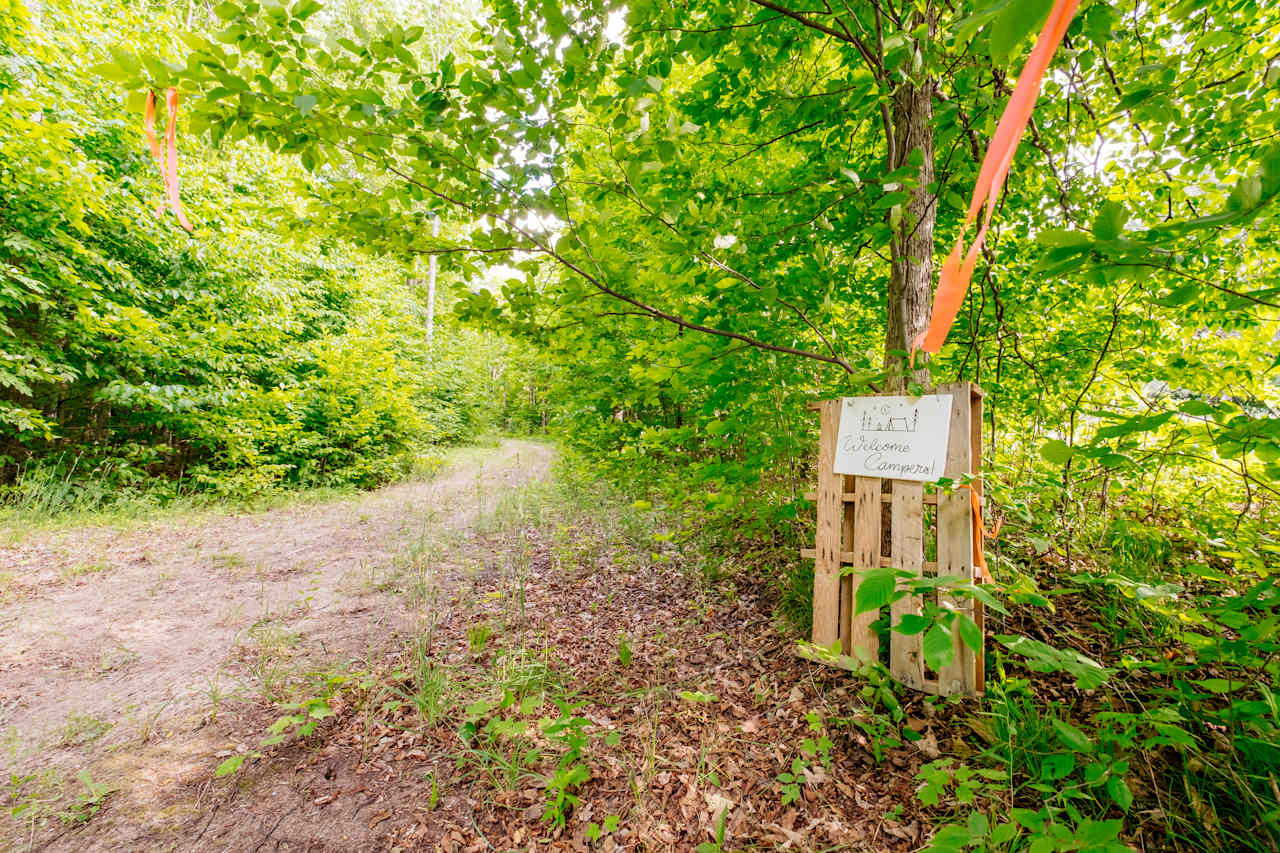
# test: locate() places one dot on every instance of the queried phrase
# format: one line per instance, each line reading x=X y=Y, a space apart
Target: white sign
x=894 y=438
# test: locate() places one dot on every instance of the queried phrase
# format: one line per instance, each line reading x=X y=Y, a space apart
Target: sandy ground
x=115 y=638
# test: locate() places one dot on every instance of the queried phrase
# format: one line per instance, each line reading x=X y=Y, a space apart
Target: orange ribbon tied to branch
x=956 y=272
x=167 y=159
x=980 y=533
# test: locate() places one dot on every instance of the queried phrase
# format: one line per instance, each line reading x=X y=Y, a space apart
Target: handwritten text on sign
x=895 y=438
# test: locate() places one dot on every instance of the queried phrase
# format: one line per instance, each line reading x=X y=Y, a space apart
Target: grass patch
x=80 y=729
x=70 y=574
x=41 y=500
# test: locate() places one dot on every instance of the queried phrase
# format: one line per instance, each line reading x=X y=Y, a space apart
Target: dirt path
x=553 y=673
x=121 y=637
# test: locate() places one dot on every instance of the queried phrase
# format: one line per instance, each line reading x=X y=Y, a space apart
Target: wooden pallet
x=859 y=518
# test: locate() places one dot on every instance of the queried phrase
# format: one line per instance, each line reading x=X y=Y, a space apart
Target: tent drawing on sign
x=891 y=423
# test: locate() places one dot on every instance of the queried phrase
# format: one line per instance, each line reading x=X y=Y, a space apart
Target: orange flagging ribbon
x=980 y=533
x=168 y=160
x=954 y=278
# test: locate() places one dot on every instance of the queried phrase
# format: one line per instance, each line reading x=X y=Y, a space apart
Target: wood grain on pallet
x=906 y=661
x=826 y=569
x=955 y=541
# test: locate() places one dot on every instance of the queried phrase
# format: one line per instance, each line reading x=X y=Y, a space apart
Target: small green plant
x=216 y=694
x=150 y=724
x=568 y=731
x=478 y=637
x=716 y=846
x=88 y=803
x=227 y=560
x=597 y=832
x=496 y=739
x=433 y=799
x=881 y=717
x=304 y=717
x=624 y=650
x=428 y=689
x=819 y=745
x=792 y=781
x=939 y=625
x=963 y=782
x=30 y=797
x=306 y=714
x=1033 y=831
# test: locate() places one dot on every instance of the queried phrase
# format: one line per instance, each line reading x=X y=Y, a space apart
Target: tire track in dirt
x=126 y=634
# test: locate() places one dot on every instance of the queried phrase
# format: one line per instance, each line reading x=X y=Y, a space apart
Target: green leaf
x=1056 y=451
x=231 y=765
x=970 y=633
x=1003 y=833
x=875 y=590
x=951 y=838
x=112 y=71
x=1014 y=23
x=980 y=593
x=1071 y=736
x=697 y=696
x=1098 y=21
x=1060 y=238
x=1119 y=792
x=1091 y=832
x=1109 y=223
x=1041 y=657
x=1219 y=685
x=1057 y=766
x=1198 y=408
x=911 y=623
x=305 y=103
x=939 y=651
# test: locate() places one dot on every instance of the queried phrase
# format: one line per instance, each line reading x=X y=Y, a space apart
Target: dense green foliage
x=233 y=361
x=701 y=214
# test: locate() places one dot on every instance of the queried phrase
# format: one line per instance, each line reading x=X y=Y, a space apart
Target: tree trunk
x=911 y=247
x=432 y=266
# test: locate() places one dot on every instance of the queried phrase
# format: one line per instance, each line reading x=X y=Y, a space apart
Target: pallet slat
x=847 y=582
x=826 y=570
x=849 y=558
x=906 y=532
x=955 y=541
x=864 y=541
x=852 y=496
x=975 y=457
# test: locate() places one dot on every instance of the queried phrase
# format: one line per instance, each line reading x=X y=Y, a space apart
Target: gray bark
x=911 y=248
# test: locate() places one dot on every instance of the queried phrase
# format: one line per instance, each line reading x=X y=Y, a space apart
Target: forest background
x=664 y=230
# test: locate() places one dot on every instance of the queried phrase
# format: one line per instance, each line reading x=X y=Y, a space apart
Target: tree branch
x=808 y=22
x=1198 y=280
x=540 y=247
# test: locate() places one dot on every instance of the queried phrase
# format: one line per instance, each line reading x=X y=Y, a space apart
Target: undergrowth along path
x=111 y=637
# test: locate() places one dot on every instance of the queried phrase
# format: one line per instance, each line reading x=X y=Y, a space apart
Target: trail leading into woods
x=112 y=637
